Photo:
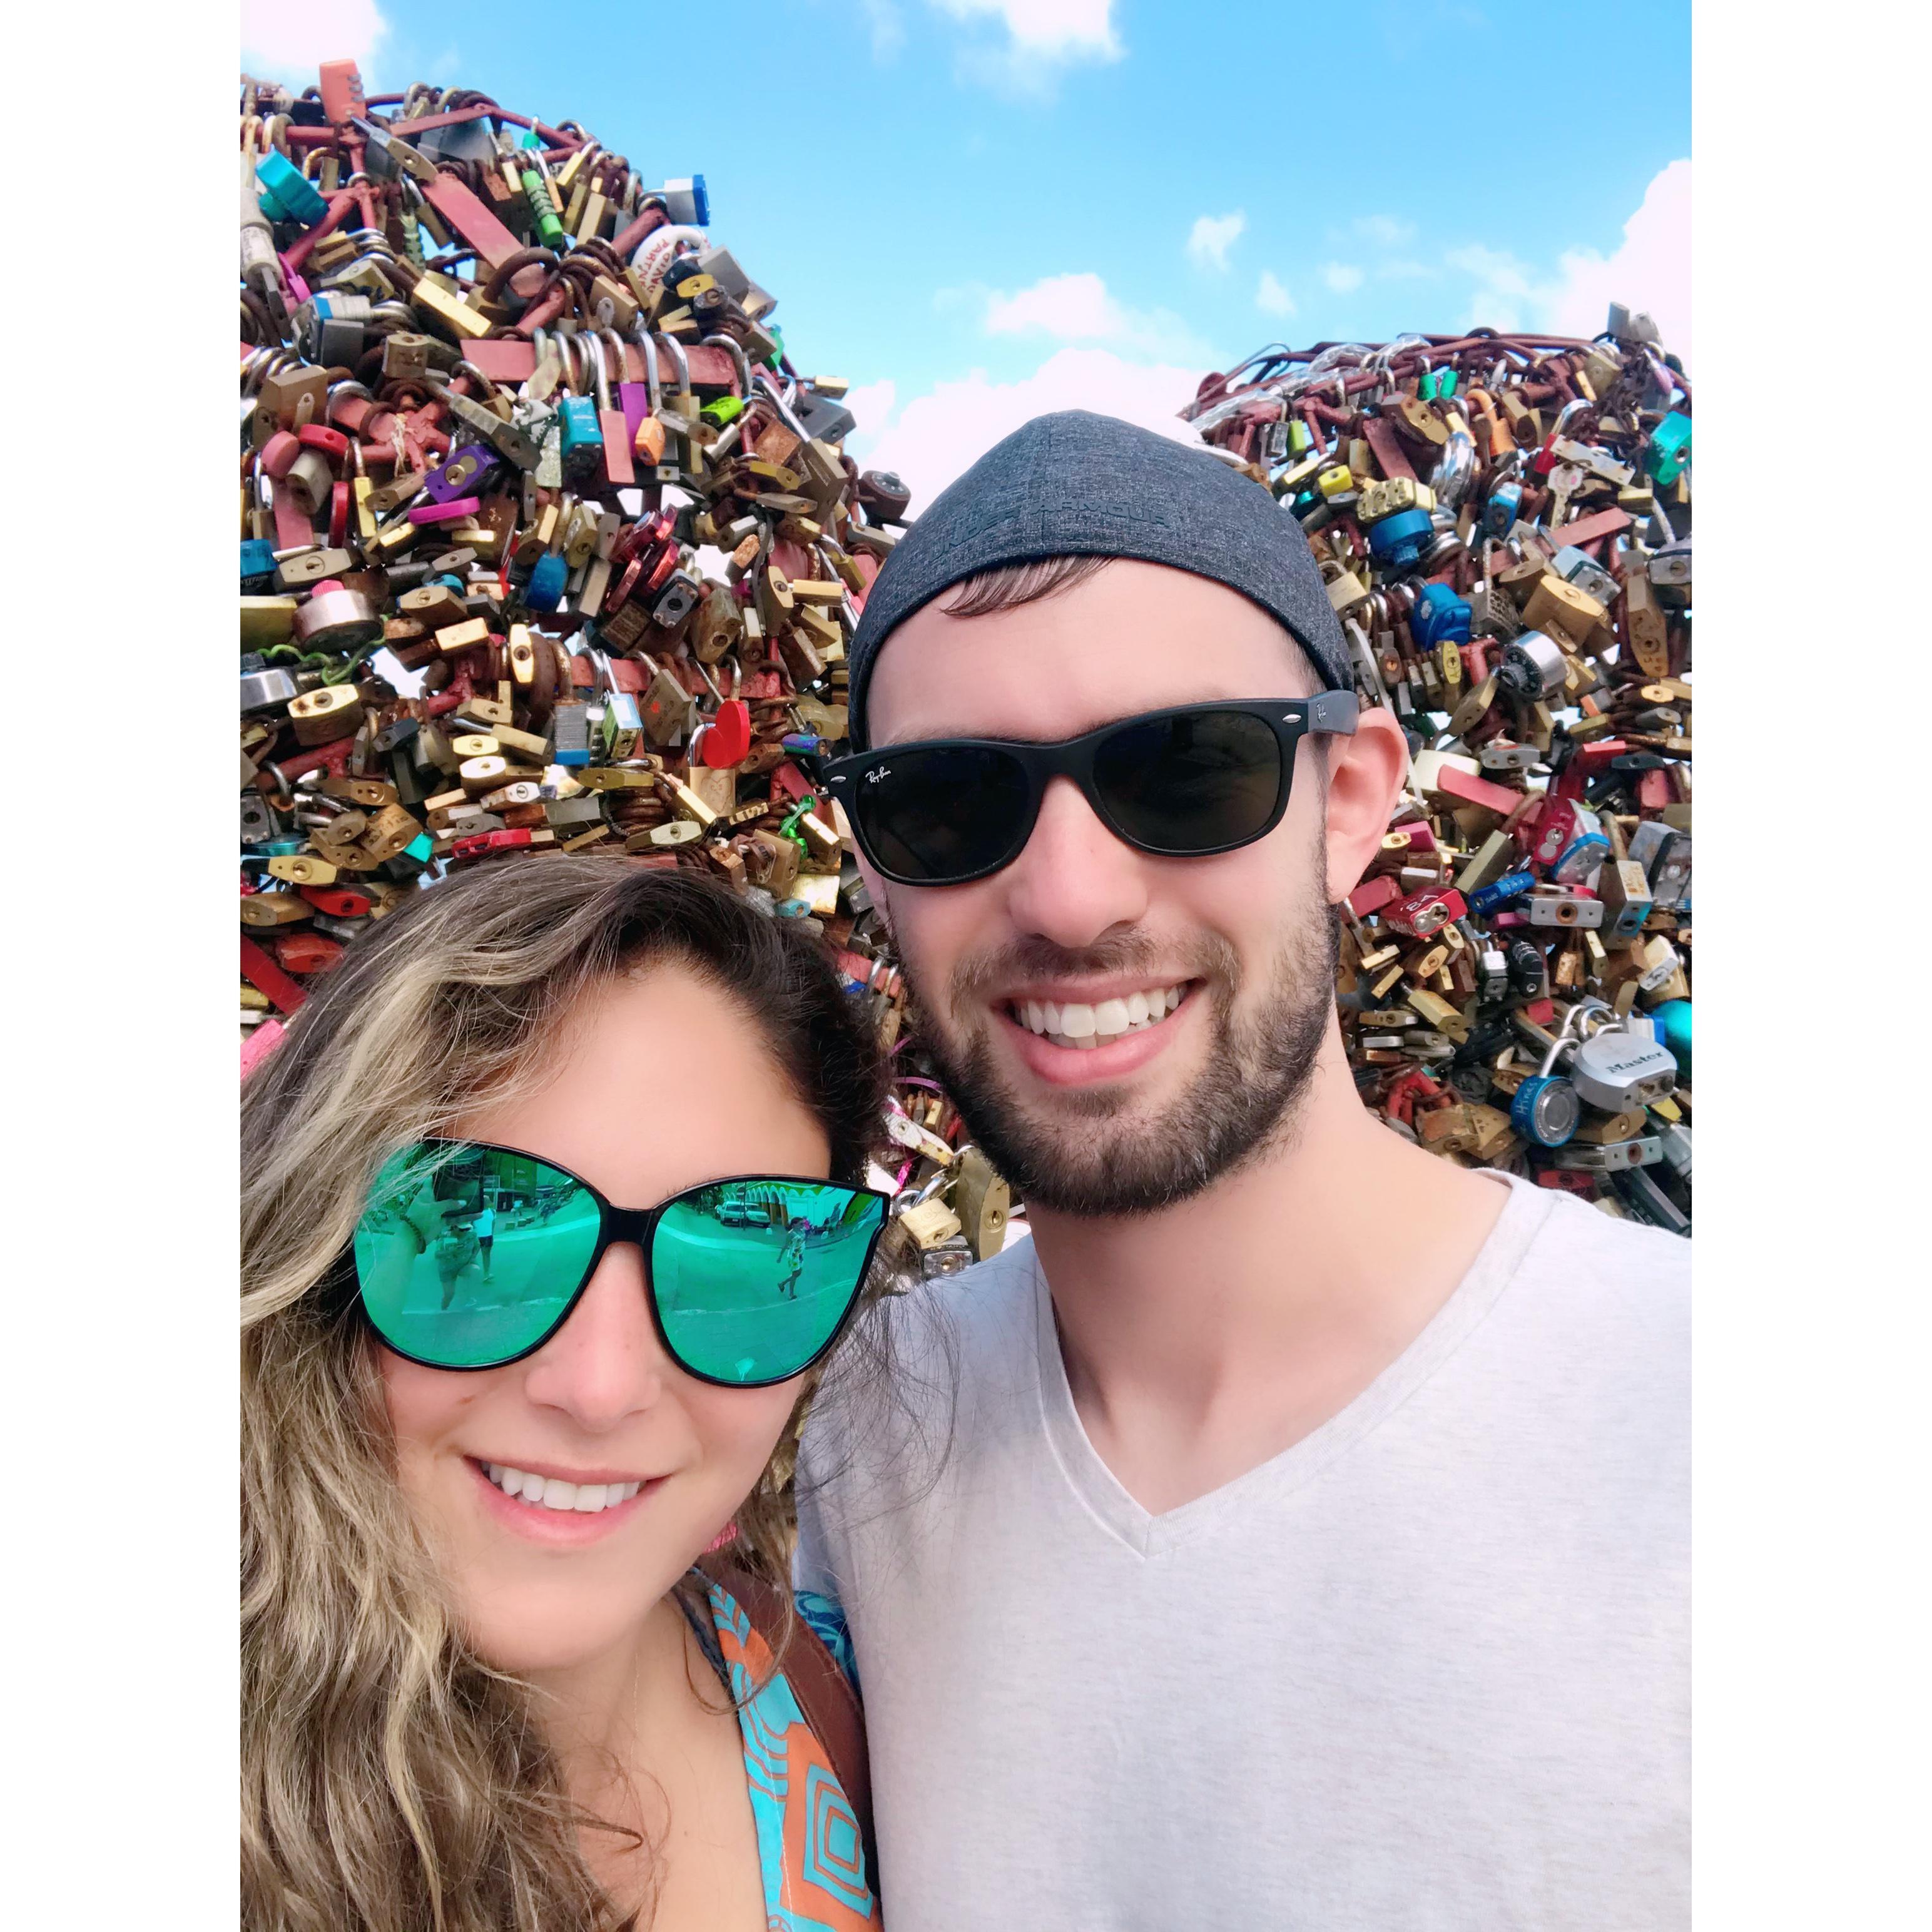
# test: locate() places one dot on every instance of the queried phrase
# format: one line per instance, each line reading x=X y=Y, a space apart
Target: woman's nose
x=605 y=1362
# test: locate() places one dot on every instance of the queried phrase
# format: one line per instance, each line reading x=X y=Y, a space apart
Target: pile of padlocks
x=547 y=546
x=503 y=402
x=1504 y=524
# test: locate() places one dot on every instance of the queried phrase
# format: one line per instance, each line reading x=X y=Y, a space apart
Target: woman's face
x=660 y=1085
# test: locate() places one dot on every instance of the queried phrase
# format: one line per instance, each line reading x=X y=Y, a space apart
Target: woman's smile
x=553 y=1510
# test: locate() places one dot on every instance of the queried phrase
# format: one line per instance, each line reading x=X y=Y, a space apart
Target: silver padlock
x=261 y=689
x=1648 y=1202
x=258 y=821
x=1615 y=1070
x=1614 y=1157
x=1578 y=567
x=1569 y=910
x=1532 y=666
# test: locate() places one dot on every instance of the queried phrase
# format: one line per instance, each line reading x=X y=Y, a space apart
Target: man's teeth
x=1082 y=1026
x=548 y=1492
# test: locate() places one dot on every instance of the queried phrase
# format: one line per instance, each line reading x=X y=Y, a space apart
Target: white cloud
x=1651 y=271
x=1271 y=298
x=872 y=405
x=1387 y=231
x=1073 y=307
x=1079 y=308
x=1212 y=236
x=888 y=29
x=1343 y=278
x=1062 y=30
x=288 y=43
x=940 y=433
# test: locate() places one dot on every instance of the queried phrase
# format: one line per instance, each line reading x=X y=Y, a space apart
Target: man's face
x=1163 y=1104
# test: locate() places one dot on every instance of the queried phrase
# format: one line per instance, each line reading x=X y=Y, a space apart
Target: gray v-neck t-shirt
x=1428 y=1668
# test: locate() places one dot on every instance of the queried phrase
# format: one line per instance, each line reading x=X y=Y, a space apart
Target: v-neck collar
x=1147 y=1535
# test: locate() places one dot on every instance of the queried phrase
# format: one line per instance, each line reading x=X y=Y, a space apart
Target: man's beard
x=1247 y=1099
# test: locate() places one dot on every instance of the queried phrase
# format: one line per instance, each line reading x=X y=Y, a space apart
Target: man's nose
x=606 y=1363
x=1075 y=881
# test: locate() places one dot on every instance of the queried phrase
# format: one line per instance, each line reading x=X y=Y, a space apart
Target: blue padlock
x=286 y=196
x=545 y=589
x=1500 y=512
x=583 y=439
x=1397 y=542
x=1440 y=617
x=258 y=558
x=1579 y=858
x=1486 y=899
x=1546 y=1110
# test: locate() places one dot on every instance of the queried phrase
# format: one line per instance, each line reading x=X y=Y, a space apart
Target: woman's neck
x=594 y=1711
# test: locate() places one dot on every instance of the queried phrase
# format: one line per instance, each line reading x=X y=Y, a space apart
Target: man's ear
x=1365 y=778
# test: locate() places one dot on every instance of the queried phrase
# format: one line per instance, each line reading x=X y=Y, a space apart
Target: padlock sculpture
x=1504 y=523
x=508 y=416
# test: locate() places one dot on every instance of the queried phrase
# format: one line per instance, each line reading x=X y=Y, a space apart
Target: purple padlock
x=461 y=474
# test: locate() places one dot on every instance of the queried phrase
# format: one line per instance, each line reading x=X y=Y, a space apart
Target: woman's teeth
x=1082 y=1026
x=548 y=1492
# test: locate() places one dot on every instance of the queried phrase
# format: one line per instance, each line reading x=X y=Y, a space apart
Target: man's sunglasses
x=468 y=1256
x=1183 y=783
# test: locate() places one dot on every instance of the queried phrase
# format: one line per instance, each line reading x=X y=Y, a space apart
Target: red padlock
x=728 y=742
x=279 y=454
x=1569 y=1179
x=1557 y=828
x=337 y=902
x=332 y=442
x=1371 y=895
x=1426 y=912
x=266 y=977
x=306 y=952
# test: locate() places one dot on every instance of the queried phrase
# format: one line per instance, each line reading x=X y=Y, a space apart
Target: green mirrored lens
x=468 y=1255
x=753 y=1277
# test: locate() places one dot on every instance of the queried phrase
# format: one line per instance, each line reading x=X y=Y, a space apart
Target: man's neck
x=1205 y=1340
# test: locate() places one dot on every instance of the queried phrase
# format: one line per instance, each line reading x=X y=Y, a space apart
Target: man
x=1294 y=1532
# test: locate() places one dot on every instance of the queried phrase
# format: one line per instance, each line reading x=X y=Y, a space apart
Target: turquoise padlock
x=1672 y=1020
x=1669 y=449
x=287 y=194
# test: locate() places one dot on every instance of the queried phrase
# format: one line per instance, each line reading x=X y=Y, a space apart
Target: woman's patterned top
x=809 y=1850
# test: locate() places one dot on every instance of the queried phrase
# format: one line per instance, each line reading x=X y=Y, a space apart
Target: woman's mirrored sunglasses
x=468 y=1256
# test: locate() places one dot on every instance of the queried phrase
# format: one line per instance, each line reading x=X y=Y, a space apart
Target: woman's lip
x=555 y=1471
x=557 y=1529
x=1084 y=1066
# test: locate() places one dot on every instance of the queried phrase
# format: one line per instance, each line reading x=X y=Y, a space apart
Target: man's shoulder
x=1597 y=1286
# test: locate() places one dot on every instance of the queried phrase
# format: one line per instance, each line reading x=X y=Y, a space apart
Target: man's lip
x=1086 y=1066
x=559 y=1473
x=1087 y=992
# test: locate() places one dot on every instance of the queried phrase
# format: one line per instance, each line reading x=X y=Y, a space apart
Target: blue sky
x=975 y=209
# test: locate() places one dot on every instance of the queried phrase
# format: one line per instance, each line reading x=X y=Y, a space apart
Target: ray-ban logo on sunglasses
x=877 y=773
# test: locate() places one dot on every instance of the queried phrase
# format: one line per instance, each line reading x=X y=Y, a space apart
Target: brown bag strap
x=825 y=1695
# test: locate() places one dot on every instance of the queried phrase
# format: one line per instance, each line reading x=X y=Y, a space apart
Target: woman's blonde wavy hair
x=391 y=1780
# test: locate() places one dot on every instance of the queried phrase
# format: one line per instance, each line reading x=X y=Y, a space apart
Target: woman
x=483 y=1686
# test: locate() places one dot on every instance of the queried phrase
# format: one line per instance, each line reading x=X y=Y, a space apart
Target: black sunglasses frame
x=1334 y=712
x=636 y=1225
